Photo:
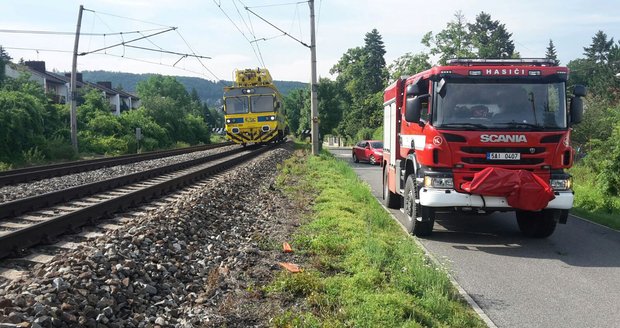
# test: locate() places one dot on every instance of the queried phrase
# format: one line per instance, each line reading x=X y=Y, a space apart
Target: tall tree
x=4 y=59
x=409 y=64
x=375 y=72
x=551 y=53
x=452 y=42
x=490 y=38
x=599 y=49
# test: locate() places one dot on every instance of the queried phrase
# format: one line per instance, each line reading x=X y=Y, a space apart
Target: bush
x=5 y=166
x=364 y=134
x=33 y=156
x=59 y=148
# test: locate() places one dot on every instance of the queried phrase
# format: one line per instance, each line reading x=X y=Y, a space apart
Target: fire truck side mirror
x=413 y=108
x=576 y=104
x=579 y=91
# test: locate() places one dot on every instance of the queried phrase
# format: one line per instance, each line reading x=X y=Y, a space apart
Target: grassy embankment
x=363 y=270
x=590 y=202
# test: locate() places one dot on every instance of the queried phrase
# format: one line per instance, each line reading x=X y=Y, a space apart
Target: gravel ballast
x=195 y=263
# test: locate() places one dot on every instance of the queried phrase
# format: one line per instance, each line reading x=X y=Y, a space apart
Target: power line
x=37 y=49
x=151 y=62
x=129 y=18
x=261 y=61
x=166 y=51
x=72 y=33
x=125 y=42
x=279 y=4
x=219 y=5
x=277 y=28
x=197 y=57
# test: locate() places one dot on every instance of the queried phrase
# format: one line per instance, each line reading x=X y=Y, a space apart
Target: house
x=57 y=87
x=53 y=86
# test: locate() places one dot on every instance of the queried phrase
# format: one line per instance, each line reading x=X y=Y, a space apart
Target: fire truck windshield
x=482 y=106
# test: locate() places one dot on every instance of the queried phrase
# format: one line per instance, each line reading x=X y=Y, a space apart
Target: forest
x=33 y=130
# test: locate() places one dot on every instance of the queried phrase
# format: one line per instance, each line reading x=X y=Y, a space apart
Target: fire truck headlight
x=561 y=184
x=438 y=182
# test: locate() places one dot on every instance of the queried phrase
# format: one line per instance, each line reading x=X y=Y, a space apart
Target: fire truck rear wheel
x=419 y=228
x=536 y=224
x=390 y=199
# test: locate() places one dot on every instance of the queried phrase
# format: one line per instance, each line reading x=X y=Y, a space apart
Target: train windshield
x=262 y=103
x=237 y=105
x=480 y=106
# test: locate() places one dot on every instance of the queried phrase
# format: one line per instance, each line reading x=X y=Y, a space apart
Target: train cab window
x=262 y=103
x=236 y=105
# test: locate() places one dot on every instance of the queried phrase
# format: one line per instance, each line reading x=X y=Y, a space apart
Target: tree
x=4 y=59
x=599 y=49
x=374 y=73
x=297 y=104
x=409 y=64
x=489 y=38
x=452 y=42
x=551 y=53
x=330 y=106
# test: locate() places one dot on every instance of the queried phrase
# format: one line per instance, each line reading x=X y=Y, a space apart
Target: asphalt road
x=571 y=279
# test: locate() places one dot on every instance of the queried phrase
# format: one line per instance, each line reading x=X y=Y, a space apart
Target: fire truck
x=481 y=136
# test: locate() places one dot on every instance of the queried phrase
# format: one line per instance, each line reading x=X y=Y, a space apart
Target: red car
x=370 y=151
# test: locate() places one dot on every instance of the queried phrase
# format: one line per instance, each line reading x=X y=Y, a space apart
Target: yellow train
x=253 y=109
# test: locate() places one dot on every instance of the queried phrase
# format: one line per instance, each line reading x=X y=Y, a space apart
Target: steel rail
x=53 y=170
x=15 y=241
x=33 y=203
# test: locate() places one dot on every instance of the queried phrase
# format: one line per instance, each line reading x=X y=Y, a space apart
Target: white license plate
x=504 y=156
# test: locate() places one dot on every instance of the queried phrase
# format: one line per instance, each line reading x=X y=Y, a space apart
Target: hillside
x=209 y=91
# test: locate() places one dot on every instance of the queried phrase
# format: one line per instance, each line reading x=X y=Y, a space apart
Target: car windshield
x=262 y=103
x=481 y=106
x=377 y=144
x=237 y=105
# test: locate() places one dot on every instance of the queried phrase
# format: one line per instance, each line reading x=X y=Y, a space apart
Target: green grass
x=590 y=202
x=363 y=270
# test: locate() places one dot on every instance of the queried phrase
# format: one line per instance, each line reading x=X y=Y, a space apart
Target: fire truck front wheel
x=537 y=224
x=413 y=210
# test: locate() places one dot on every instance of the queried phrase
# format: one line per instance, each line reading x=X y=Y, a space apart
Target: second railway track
x=30 y=221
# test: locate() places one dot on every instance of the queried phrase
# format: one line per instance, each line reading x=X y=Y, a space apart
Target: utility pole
x=313 y=87
x=73 y=92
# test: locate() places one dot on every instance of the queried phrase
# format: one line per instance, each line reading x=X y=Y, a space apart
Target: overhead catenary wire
x=151 y=62
x=219 y=5
x=277 y=28
x=261 y=60
x=72 y=33
x=279 y=4
x=125 y=42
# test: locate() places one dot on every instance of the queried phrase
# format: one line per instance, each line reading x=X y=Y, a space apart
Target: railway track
x=48 y=171
x=41 y=219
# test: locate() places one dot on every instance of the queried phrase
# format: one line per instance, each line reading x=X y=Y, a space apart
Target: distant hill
x=209 y=91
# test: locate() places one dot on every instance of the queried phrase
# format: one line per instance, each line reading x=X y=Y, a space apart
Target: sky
x=233 y=37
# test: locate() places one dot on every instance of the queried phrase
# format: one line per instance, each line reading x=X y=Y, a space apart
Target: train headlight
x=228 y=121
x=273 y=118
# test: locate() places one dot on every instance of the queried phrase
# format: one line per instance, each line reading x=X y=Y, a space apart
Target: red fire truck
x=481 y=136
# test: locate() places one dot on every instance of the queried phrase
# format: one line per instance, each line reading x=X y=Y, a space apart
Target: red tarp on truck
x=523 y=189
